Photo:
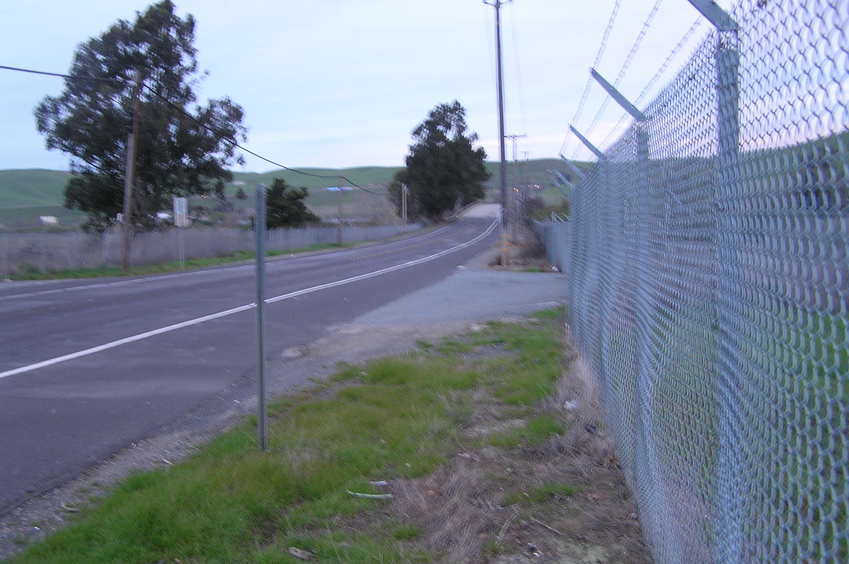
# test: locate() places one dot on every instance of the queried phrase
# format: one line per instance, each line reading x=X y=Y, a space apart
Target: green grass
x=32 y=187
x=534 y=434
x=33 y=273
x=792 y=376
x=392 y=418
x=27 y=193
x=538 y=353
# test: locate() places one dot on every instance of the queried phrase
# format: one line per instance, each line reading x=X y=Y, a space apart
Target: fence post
x=648 y=457
x=731 y=466
x=5 y=255
x=728 y=533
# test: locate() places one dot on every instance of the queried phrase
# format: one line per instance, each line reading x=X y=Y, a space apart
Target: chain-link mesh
x=709 y=276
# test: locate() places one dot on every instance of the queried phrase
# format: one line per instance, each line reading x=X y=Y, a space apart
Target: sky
x=342 y=83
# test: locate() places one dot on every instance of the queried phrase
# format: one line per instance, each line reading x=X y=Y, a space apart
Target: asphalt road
x=89 y=367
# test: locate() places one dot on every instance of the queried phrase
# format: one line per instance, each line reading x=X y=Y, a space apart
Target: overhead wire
x=246 y=150
x=68 y=76
x=518 y=74
x=73 y=77
x=218 y=134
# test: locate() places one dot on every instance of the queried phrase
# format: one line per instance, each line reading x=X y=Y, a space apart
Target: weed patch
x=379 y=464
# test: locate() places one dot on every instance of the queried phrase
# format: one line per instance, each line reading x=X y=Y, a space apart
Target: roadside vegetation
x=34 y=273
x=459 y=452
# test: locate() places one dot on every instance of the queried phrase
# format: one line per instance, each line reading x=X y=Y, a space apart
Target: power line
x=236 y=144
x=68 y=76
x=182 y=111
x=518 y=75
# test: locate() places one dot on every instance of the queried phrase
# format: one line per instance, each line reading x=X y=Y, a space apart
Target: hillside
x=26 y=194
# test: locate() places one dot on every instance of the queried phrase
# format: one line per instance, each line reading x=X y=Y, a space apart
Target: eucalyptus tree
x=183 y=148
x=443 y=165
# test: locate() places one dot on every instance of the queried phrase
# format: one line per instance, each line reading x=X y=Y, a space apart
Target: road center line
x=169 y=328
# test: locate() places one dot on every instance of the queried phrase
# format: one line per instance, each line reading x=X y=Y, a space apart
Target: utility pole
x=505 y=257
x=514 y=216
x=129 y=175
x=339 y=211
x=526 y=185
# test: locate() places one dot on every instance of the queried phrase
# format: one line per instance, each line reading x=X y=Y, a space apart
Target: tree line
x=185 y=148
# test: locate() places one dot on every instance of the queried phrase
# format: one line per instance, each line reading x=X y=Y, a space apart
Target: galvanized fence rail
x=709 y=284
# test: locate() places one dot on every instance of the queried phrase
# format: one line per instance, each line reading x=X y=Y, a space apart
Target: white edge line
x=167 y=276
x=168 y=329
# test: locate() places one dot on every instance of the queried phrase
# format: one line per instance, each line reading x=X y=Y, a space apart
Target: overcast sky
x=342 y=83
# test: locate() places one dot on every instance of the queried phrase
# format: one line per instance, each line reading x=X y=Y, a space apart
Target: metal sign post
x=181 y=219
x=259 y=230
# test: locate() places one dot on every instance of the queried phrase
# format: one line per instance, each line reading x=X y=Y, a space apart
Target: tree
x=443 y=167
x=285 y=207
x=182 y=148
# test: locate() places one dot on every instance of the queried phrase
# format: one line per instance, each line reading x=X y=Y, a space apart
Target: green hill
x=27 y=194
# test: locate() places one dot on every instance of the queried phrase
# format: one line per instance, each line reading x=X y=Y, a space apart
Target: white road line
x=160 y=277
x=168 y=329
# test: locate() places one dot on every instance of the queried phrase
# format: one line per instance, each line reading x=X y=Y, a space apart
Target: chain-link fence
x=22 y=253
x=707 y=255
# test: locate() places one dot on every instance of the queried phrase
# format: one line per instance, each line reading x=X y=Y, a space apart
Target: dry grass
x=565 y=500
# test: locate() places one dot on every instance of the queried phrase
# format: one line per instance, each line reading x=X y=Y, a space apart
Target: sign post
x=181 y=219
x=259 y=230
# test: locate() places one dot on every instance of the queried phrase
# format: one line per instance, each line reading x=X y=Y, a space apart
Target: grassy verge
x=33 y=273
x=388 y=426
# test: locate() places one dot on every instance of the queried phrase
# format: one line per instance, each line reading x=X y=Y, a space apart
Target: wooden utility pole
x=513 y=207
x=129 y=175
x=505 y=255
x=339 y=212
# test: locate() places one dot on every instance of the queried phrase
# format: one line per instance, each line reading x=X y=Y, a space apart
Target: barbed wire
x=653 y=80
x=669 y=59
x=640 y=36
x=598 y=56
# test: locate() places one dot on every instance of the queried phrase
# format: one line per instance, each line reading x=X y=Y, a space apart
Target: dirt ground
x=469 y=511
x=462 y=503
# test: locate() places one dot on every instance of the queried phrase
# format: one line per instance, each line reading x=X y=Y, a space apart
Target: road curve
x=88 y=367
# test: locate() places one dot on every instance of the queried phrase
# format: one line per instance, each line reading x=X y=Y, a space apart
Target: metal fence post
x=731 y=471
x=5 y=255
x=259 y=229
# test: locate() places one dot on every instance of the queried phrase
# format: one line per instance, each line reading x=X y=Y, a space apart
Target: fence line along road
x=709 y=291
x=46 y=252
